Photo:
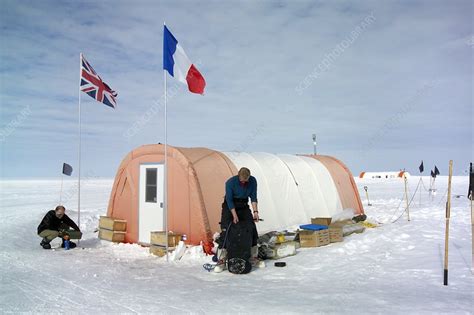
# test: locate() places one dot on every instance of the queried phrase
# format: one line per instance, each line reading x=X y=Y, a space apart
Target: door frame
x=138 y=199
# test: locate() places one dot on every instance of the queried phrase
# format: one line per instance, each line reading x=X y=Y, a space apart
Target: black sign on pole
x=67 y=169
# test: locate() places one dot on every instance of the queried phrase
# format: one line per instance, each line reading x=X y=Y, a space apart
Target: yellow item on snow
x=369 y=225
x=280 y=238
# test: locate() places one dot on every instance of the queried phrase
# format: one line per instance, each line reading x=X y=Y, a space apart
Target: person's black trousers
x=243 y=213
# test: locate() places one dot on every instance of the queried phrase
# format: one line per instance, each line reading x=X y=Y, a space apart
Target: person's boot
x=45 y=243
x=221 y=262
x=254 y=259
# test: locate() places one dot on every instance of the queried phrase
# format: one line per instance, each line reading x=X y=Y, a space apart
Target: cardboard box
x=112 y=236
x=314 y=238
x=112 y=224
x=281 y=250
x=159 y=238
x=335 y=234
x=159 y=251
x=321 y=221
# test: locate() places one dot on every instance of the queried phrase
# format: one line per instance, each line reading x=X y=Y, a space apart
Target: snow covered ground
x=392 y=269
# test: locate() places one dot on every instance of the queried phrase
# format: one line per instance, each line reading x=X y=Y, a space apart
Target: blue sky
x=383 y=84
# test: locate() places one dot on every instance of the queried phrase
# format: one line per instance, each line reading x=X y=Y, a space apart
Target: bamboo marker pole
x=406 y=197
x=448 y=214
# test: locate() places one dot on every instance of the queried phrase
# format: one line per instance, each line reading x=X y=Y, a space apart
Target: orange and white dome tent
x=291 y=190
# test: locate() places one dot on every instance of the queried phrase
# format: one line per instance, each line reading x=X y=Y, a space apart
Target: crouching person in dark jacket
x=57 y=224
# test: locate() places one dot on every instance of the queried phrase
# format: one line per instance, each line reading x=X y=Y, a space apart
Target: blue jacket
x=233 y=189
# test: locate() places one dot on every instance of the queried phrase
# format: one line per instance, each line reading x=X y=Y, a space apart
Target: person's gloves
x=63 y=234
x=235 y=217
x=256 y=218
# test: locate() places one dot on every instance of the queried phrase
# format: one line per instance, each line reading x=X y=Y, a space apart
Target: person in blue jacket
x=238 y=190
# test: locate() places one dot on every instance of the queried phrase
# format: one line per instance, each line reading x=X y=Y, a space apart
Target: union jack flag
x=93 y=85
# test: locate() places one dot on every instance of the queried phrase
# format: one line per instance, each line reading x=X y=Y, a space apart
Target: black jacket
x=52 y=222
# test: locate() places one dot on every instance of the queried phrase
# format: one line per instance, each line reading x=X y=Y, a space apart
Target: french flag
x=178 y=65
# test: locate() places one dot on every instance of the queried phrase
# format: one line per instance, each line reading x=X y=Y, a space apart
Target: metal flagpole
x=419 y=183
x=470 y=195
x=79 y=154
x=165 y=188
x=61 y=192
x=431 y=188
x=314 y=144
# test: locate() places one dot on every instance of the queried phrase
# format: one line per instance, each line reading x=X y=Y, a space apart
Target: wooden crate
x=159 y=251
x=314 y=238
x=112 y=224
x=335 y=234
x=321 y=221
x=159 y=238
x=112 y=236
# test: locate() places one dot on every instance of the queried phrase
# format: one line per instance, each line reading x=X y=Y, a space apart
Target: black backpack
x=239 y=244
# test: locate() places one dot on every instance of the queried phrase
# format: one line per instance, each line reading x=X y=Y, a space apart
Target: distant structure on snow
x=384 y=175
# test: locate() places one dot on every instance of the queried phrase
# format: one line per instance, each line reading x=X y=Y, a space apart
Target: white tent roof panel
x=291 y=189
x=328 y=187
x=308 y=186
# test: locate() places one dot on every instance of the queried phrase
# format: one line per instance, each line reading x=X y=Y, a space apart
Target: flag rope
x=414 y=194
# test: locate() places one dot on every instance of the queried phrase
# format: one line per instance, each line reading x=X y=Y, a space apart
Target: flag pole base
x=445 y=277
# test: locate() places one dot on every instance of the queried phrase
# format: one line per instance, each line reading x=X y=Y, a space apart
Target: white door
x=150 y=204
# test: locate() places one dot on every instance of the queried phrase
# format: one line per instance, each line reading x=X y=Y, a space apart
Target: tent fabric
x=328 y=188
x=194 y=186
x=210 y=169
x=309 y=185
x=291 y=188
x=344 y=182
